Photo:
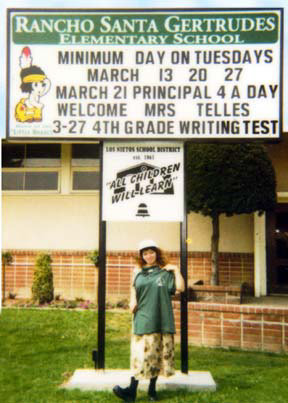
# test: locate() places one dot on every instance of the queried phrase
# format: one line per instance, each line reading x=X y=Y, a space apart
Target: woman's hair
x=161 y=260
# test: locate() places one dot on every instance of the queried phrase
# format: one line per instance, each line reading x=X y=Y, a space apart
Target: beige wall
x=70 y=222
x=236 y=233
x=50 y=222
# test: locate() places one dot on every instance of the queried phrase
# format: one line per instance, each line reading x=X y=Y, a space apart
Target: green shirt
x=154 y=288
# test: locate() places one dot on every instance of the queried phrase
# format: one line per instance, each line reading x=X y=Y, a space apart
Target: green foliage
x=94 y=257
x=7 y=258
x=42 y=288
x=229 y=179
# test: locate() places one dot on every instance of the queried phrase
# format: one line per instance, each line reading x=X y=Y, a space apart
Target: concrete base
x=91 y=379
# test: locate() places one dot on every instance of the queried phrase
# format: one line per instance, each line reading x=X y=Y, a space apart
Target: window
x=13 y=156
x=84 y=155
x=31 y=167
x=85 y=167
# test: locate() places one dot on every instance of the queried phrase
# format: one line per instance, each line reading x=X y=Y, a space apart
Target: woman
x=152 y=344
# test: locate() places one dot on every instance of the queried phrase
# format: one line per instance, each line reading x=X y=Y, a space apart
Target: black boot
x=152 y=390
x=127 y=394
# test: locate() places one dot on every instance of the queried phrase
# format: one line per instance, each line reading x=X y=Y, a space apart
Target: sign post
x=143 y=181
x=184 y=272
x=100 y=358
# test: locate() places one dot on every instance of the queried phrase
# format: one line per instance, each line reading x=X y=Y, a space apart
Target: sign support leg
x=101 y=278
x=183 y=267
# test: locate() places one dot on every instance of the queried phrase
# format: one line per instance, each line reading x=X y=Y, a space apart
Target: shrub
x=7 y=258
x=42 y=288
x=70 y=304
x=94 y=257
x=124 y=303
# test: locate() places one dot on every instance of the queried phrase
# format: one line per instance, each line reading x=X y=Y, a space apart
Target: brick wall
x=75 y=276
x=244 y=327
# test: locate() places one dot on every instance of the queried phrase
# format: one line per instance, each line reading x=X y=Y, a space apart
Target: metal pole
x=101 y=277
x=183 y=267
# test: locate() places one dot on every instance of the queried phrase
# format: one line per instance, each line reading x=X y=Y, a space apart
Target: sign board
x=142 y=181
x=157 y=74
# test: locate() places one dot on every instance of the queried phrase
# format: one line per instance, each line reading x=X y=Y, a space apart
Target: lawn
x=39 y=349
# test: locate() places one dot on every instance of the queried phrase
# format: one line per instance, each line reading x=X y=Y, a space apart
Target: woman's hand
x=171 y=267
x=133 y=307
x=133 y=300
x=179 y=282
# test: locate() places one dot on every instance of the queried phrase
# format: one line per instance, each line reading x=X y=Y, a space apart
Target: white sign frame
x=143 y=182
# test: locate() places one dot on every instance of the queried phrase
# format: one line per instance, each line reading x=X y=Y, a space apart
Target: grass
x=39 y=349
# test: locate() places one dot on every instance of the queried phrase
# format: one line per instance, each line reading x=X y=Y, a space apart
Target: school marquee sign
x=138 y=74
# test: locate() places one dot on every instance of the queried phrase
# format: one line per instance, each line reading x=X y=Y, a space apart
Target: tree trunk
x=215 y=250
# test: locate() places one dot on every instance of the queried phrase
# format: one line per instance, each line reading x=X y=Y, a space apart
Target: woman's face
x=149 y=256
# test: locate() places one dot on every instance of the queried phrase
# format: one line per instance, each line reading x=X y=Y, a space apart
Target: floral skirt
x=152 y=355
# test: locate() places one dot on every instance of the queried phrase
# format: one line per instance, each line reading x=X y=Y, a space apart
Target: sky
x=131 y=4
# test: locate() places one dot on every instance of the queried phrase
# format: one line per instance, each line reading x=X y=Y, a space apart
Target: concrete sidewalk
x=91 y=379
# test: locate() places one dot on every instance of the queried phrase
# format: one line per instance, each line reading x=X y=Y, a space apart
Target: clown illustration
x=35 y=83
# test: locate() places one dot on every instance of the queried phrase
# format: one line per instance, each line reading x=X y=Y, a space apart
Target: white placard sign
x=143 y=181
x=157 y=74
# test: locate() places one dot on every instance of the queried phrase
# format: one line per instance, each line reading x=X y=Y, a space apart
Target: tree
x=228 y=179
x=42 y=288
